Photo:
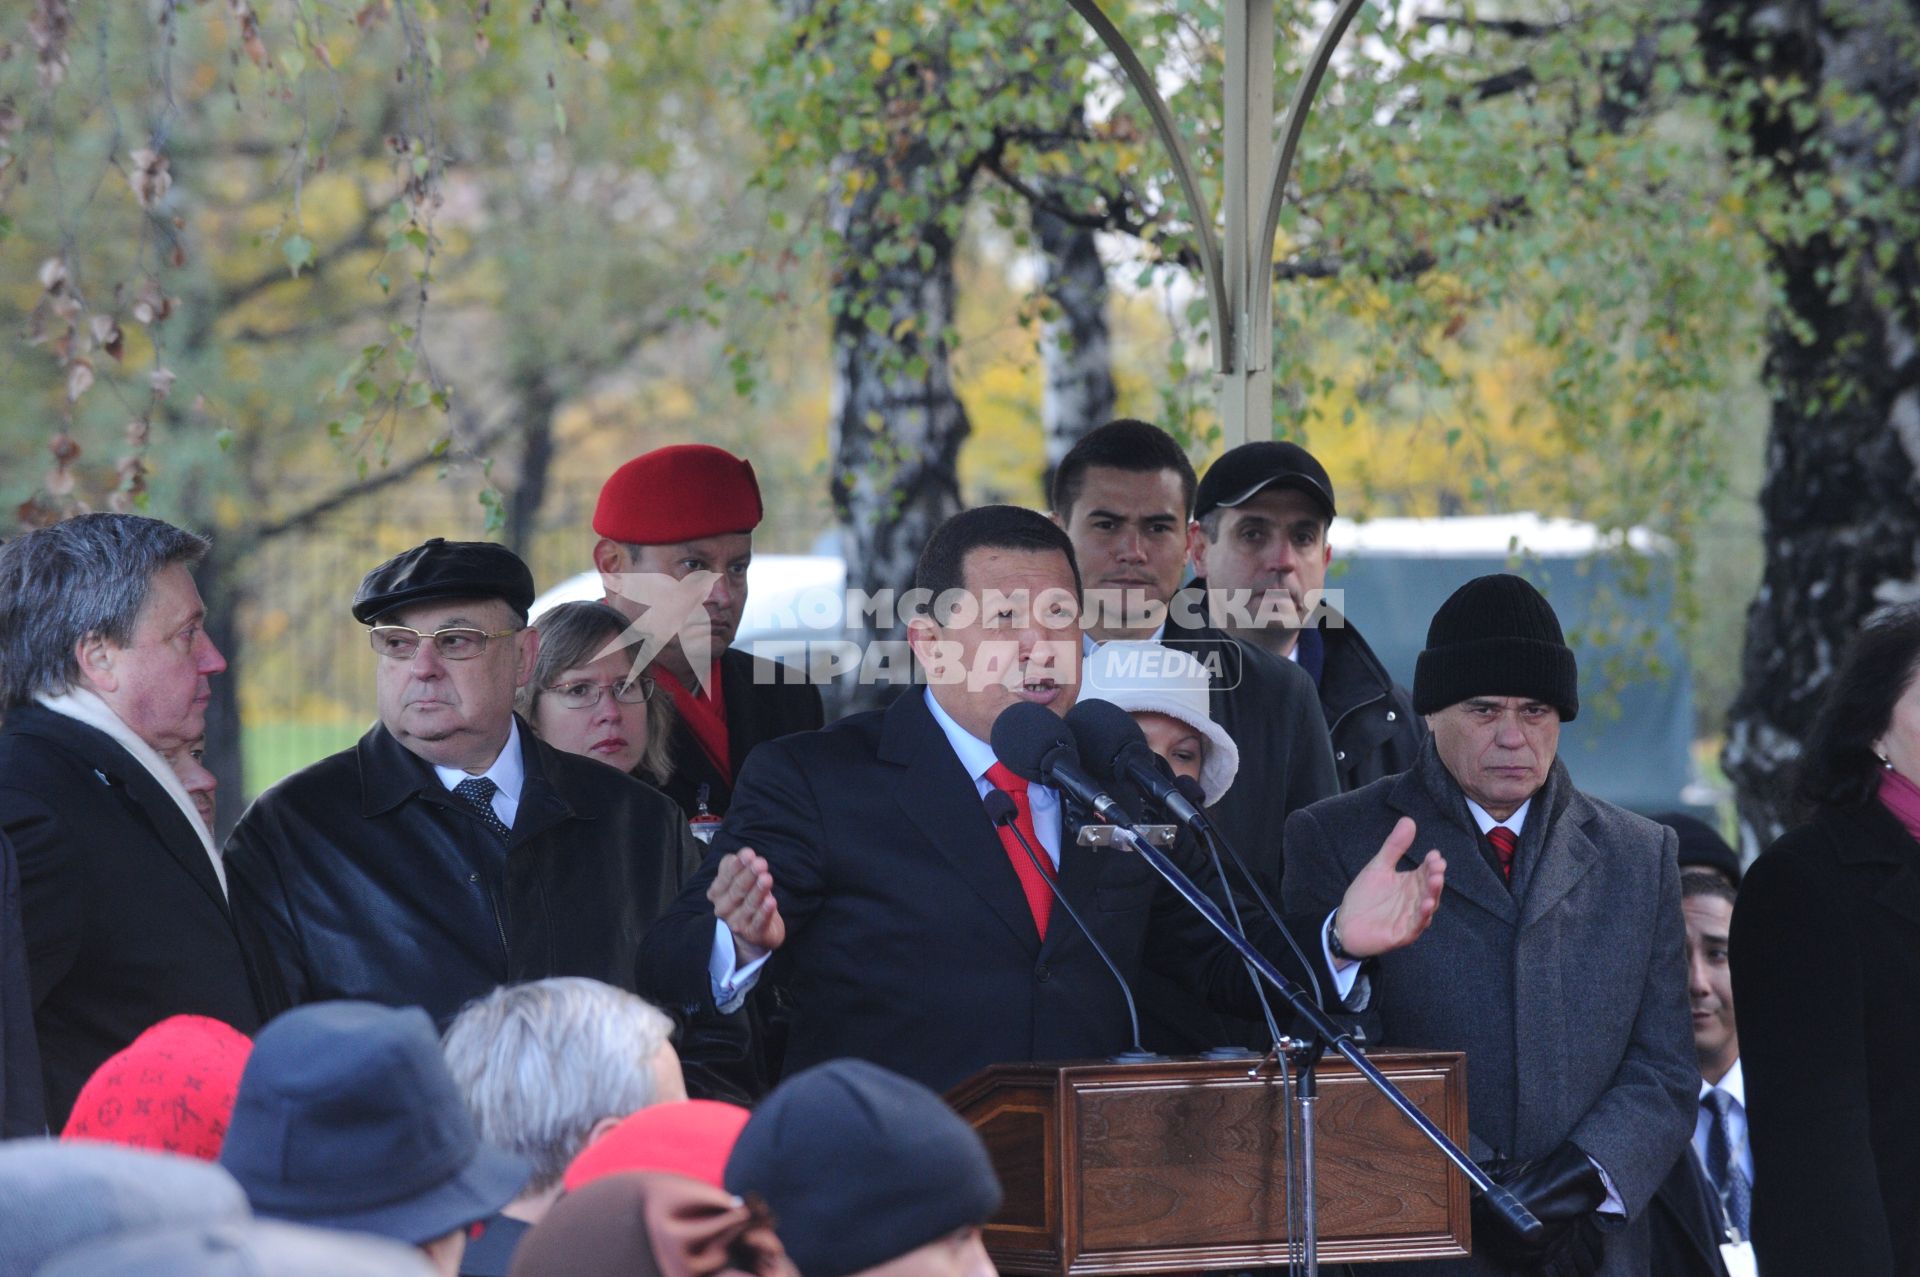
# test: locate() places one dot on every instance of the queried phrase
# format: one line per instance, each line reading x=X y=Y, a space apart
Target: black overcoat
x=126 y=923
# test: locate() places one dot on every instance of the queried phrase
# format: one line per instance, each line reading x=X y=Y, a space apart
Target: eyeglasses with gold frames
x=455 y=643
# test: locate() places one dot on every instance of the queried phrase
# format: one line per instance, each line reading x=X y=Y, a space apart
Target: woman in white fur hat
x=1166 y=691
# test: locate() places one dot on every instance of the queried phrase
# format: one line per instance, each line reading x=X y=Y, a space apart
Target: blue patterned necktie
x=1728 y=1179
x=477 y=792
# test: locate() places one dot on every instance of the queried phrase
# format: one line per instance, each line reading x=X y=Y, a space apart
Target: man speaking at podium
x=861 y=858
x=1558 y=964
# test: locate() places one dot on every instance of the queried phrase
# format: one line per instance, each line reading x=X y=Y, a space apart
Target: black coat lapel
x=134 y=784
x=938 y=797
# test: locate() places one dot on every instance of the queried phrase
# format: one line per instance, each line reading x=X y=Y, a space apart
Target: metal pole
x=1246 y=384
x=1239 y=271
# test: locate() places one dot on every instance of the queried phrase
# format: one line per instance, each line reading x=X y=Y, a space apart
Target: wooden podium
x=1179 y=1165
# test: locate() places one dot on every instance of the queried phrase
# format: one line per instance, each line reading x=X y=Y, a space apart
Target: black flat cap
x=859 y=1166
x=443 y=569
x=1252 y=468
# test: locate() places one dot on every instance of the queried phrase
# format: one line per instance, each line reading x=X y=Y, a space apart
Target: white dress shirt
x=508 y=774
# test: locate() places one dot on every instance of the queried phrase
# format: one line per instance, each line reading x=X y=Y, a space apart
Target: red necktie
x=1032 y=880
x=1504 y=842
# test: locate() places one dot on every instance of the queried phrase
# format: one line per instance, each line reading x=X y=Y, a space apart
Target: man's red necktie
x=1504 y=841
x=1032 y=880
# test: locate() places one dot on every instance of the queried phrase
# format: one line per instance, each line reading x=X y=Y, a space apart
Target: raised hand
x=742 y=896
x=1386 y=908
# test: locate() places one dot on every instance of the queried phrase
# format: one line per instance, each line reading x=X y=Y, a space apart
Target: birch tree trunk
x=1840 y=516
x=896 y=423
x=1076 y=348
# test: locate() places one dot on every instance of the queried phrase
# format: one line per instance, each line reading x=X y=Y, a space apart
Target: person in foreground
x=653 y=1225
x=348 y=1119
x=914 y=1185
x=1557 y=962
x=547 y=1068
x=913 y=932
x=1826 y=960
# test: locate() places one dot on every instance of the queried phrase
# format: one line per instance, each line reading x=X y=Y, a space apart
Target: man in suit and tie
x=1558 y=962
x=913 y=934
x=104 y=669
x=450 y=850
x=1707 y=1199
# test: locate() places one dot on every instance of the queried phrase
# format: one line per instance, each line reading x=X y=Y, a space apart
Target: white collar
x=1515 y=822
x=86 y=706
x=1733 y=1084
x=1089 y=644
x=975 y=754
x=508 y=773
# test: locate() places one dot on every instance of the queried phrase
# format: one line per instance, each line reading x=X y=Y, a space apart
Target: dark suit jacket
x=1568 y=992
x=763 y=703
x=1271 y=709
x=909 y=942
x=1684 y=1220
x=21 y=1111
x=1370 y=717
x=362 y=876
x=1826 y=978
x=126 y=923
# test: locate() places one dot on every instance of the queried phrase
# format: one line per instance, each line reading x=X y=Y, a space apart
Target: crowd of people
x=602 y=951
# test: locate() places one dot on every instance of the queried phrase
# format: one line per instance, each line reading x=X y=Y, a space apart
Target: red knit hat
x=171 y=1090
x=678 y=493
x=689 y=1137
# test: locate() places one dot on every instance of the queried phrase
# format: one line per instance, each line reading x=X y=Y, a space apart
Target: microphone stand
x=1327 y=1035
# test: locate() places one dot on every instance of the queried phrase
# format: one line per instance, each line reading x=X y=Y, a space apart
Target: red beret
x=678 y=493
x=172 y=1090
x=687 y=1137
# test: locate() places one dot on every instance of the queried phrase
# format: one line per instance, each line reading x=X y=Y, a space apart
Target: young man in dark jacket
x=1260 y=543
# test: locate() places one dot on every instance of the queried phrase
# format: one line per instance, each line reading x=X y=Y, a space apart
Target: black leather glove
x=1560 y=1189
x=1577 y=1254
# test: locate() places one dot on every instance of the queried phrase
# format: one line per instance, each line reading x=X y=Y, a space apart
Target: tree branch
x=306 y=516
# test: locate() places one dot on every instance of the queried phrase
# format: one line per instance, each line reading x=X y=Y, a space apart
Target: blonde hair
x=571 y=635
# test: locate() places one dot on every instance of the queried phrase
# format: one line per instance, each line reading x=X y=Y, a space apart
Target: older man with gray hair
x=104 y=668
x=547 y=1068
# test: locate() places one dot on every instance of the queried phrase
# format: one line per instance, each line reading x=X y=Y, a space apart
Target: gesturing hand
x=742 y=896
x=1385 y=908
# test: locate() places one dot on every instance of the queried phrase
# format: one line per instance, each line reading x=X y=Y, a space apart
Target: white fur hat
x=1147 y=677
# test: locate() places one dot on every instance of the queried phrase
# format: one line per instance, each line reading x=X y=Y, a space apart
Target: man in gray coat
x=1557 y=959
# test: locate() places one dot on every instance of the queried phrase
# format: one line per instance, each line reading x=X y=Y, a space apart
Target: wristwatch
x=1334 y=947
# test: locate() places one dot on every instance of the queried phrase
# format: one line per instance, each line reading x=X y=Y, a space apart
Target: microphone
x=1005 y=815
x=1114 y=745
x=1107 y=734
x=1036 y=746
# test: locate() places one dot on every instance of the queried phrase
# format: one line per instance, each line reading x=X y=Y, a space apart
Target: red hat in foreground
x=678 y=493
x=690 y=1137
x=171 y=1090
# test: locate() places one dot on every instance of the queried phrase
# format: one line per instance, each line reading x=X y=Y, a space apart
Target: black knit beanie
x=1496 y=636
x=859 y=1166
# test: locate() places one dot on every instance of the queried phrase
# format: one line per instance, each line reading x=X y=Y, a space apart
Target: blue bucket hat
x=348 y=1118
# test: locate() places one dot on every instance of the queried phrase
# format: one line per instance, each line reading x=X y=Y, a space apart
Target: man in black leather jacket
x=450 y=851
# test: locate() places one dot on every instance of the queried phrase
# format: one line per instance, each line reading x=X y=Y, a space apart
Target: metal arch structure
x=1238 y=274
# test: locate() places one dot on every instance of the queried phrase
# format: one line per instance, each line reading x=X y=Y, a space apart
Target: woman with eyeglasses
x=585 y=697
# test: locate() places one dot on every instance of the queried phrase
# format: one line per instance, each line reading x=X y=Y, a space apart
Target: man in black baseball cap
x=450 y=850
x=1259 y=545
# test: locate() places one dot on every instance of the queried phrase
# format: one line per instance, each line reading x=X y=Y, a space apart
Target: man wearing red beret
x=676 y=535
